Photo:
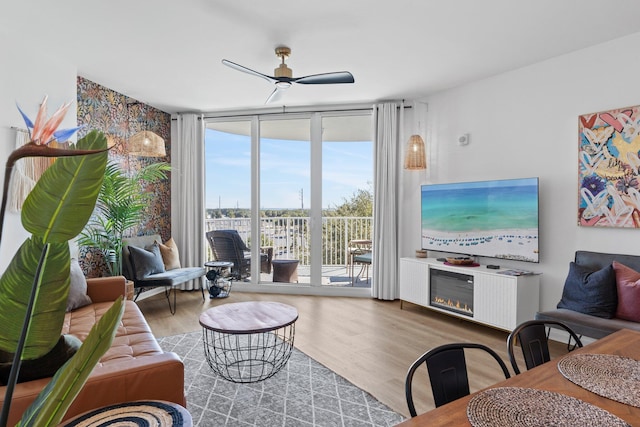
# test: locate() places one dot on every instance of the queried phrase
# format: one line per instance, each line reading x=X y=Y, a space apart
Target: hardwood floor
x=372 y=343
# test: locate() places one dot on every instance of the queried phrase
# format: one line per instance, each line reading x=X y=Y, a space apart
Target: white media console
x=498 y=300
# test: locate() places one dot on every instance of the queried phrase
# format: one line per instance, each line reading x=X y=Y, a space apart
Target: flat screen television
x=497 y=219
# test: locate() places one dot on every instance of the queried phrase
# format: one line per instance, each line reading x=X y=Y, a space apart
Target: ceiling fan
x=283 y=75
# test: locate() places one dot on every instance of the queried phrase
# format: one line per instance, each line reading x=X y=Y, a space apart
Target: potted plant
x=36 y=283
x=120 y=206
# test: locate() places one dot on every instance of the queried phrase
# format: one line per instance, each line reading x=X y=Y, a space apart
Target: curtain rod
x=272 y=113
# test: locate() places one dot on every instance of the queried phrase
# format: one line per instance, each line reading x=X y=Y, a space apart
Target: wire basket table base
x=248 y=358
x=248 y=342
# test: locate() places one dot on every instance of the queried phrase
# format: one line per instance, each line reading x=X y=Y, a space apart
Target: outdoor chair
x=227 y=245
x=447 y=372
x=534 y=341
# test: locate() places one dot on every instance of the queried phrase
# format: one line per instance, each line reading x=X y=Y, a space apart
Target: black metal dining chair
x=533 y=337
x=447 y=369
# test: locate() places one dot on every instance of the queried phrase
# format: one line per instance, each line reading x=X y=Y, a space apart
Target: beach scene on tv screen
x=497 y=219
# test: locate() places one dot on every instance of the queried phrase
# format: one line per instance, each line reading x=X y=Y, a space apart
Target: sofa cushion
x=584 y=324
x=78 y=288
x=170 y=255
x=628 y=286
x=590 y=292
x=147 y=261
x=133 y=337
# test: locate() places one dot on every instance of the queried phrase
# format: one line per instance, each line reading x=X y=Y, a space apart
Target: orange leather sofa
x=134 y=368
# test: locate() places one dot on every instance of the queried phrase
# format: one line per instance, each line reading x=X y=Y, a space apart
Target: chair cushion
x=363 y=258
x=147 y=261
x=628 y=285
x=590 y=292
x=171 y=277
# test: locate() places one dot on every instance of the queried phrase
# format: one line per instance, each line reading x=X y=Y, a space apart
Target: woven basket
x=460 y=261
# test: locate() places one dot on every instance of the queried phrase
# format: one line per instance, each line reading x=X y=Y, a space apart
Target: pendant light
x=414 y=156
x=146 y=143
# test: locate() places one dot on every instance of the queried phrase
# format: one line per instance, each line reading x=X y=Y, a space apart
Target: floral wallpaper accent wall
x=120 y=117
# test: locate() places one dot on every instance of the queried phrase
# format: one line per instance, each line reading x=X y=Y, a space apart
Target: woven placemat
x=614 y=377
x=139 y=413
x=528 y=407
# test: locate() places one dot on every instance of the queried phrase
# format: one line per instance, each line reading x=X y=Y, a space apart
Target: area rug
x=304 y=393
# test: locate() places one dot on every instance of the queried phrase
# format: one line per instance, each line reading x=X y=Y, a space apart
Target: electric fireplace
x=451 y=291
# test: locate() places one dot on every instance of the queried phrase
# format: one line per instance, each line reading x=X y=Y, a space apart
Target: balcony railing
x=290 y=236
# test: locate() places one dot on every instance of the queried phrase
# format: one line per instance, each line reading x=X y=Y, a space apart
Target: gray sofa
x=168 y=279
x=586 y=324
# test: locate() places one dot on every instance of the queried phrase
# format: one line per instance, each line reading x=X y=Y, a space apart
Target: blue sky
x=284 y=166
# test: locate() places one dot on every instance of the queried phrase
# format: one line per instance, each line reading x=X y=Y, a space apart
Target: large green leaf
x=50 y=303
x=62 y=201
x=52 y=403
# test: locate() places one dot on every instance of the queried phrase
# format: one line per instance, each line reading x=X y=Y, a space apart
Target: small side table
x=285 y=270
x=247 y=342
x=219 y=287
x=139 y=413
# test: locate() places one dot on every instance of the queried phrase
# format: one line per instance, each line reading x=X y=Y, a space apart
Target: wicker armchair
x=227 y=245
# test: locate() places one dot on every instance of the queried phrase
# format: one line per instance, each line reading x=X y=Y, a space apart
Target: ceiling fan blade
x=326 y=78
x=247 y=70
x=276 y=94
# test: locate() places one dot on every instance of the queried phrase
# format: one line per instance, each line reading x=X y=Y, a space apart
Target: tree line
x=360 y=204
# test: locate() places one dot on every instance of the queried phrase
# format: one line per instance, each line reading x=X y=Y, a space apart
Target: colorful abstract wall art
x=609 y=168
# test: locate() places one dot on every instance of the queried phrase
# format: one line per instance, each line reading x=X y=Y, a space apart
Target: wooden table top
x=360 y=242
x=248 y=317
x=547 y=377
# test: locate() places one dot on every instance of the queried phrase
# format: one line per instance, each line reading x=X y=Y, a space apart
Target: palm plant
x=121 y=205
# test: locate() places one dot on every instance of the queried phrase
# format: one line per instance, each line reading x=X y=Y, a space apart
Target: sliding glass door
x=300 y=187
x=285 y=190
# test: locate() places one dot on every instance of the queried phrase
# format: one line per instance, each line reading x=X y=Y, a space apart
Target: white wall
x=525 y=123
x=26 y=77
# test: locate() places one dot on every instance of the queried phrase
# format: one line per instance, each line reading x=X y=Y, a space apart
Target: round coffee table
x=247 y=342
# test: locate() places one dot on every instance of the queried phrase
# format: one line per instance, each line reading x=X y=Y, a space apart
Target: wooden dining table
x=624 y=343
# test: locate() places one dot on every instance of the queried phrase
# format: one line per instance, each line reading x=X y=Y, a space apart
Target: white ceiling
x=168 y=53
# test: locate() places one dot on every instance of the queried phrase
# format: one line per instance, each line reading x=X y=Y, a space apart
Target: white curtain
x=187 y=192
x=387 y=132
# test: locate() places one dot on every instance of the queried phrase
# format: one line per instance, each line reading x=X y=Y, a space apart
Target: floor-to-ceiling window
x=299 y=186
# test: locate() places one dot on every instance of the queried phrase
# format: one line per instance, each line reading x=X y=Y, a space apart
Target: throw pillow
x=147 y=261
x=590 y=292
x=43 y=367
x=628 y=284
x=78 y=288
x=170 y=256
